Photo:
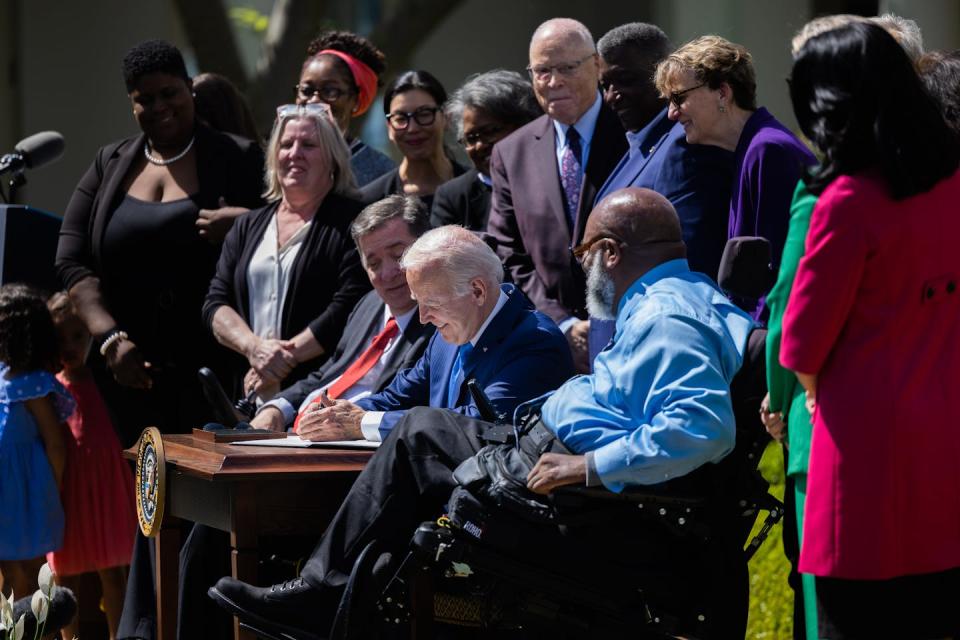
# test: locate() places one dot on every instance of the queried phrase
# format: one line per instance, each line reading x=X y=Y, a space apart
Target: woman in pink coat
x=872 y=329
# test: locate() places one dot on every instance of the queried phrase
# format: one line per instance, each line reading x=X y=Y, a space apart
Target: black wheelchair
x=658 y=562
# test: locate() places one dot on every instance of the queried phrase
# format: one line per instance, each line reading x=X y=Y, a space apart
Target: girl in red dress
x=97 y=490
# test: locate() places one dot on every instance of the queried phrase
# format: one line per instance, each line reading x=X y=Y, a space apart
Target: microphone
x=32 y=152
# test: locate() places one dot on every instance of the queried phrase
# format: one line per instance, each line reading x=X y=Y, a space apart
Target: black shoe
x=293 y=608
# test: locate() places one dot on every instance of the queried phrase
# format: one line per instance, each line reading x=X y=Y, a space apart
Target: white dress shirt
x=362 y=387
x=268 y=278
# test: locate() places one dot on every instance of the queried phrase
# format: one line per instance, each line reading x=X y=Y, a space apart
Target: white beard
x=600 y=292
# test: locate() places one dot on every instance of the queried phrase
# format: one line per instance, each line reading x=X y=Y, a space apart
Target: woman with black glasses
x=343 y=70
x=413 y=107
x=712 y=88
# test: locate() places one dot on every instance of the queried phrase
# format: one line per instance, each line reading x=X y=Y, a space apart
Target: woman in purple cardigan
x=712 y=89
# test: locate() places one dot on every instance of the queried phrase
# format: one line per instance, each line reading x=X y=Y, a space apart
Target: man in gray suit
x=384 y=327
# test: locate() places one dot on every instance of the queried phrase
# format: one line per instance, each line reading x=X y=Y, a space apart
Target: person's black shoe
x=293 y=608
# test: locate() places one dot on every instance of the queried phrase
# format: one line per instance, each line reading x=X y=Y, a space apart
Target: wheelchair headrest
x=745 y=269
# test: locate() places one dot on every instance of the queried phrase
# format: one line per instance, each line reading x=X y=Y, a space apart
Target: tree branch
x=208 y=30
x=400 y=33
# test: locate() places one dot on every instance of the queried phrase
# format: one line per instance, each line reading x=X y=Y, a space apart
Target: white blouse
x=268 y=278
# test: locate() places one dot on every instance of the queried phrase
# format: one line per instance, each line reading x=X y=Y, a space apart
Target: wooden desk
x=248 y=492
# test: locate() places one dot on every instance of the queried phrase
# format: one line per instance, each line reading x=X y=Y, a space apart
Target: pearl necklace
x=160 y=162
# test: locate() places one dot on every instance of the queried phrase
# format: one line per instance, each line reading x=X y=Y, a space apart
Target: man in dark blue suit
x=696 y=179
x=485 y=331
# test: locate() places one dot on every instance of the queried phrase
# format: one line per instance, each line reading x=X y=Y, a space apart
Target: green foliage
x=771 y=599
x=251 y=19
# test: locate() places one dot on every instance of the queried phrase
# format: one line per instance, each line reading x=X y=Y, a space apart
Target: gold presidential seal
x=151 y=481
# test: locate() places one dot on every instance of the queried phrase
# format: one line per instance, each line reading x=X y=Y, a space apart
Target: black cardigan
x=227 y=166
x=326 y=282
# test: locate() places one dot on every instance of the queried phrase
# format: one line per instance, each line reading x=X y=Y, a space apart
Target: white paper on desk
x=297 y=441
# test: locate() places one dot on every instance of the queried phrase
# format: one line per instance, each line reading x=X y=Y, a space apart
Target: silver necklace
x=160 y=162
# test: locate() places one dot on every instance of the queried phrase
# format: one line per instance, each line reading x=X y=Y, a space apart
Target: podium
x=249 y=492
x=28 y=246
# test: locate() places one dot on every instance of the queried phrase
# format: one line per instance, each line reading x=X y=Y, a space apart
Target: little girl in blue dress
x=33 y=407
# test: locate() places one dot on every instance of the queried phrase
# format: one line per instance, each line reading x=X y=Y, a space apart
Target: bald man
x=547 y=174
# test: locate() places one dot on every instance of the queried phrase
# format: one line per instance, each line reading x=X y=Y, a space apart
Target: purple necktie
x=571 y=174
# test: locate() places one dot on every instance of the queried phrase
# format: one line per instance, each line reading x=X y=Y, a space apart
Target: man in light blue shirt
x=658 y=404
x=657 y=408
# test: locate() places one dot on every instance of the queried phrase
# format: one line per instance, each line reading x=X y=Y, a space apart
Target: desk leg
x=168 y=570
x=243 y=546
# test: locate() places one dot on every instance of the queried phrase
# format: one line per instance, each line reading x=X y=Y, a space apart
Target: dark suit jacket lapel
x=498 y=330
x=478 y=204
x=607 y=147
x=662 y=126
x=412 y=335
x=110 y=193
x=548 y=178
x=371 y=317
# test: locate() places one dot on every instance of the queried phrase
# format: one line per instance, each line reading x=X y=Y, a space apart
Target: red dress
x=97 y=490
x=875 y=311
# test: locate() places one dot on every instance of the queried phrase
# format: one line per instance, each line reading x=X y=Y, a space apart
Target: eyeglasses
x=424 y=116
x=486 y=135
x=299 y=110
x=581 y=250
x=679 y=97
x=327 y=93
x=542 y=73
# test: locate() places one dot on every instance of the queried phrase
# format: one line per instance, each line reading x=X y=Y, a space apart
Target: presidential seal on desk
x=151 y=482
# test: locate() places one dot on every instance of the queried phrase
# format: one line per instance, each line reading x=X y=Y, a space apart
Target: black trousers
x=410 y=479
x=204 y=558
x=405 y=483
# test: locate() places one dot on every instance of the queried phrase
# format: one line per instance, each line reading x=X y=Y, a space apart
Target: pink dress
x=97 y=491
x=875 y=311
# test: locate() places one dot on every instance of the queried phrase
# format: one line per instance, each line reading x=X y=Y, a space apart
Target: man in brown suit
x=547 y=174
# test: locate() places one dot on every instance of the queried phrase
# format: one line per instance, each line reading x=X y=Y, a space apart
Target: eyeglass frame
x=677 y=98
x=581 y=250
x=286 y=111
x=316 y=92
x=565 y=70
x=412 y=115
x=480 y=136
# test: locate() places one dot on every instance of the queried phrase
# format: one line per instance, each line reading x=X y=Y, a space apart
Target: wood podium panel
x=249 y=492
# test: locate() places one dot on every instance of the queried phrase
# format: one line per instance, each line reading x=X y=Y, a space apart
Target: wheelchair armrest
x=655 y=494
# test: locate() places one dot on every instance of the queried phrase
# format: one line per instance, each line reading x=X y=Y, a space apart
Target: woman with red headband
x=343 y=70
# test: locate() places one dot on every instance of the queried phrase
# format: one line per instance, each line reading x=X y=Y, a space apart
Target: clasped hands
x=270 y=362
x=331 y=420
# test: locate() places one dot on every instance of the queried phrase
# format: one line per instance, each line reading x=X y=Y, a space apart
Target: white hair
x=819 y=25
x=459 y=253
x=905 y=31
x=564 y=28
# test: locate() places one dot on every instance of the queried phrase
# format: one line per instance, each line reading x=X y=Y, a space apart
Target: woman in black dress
x=132 y=253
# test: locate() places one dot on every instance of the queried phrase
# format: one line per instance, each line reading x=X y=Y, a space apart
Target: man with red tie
x=383 y=335
x=486 y=331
